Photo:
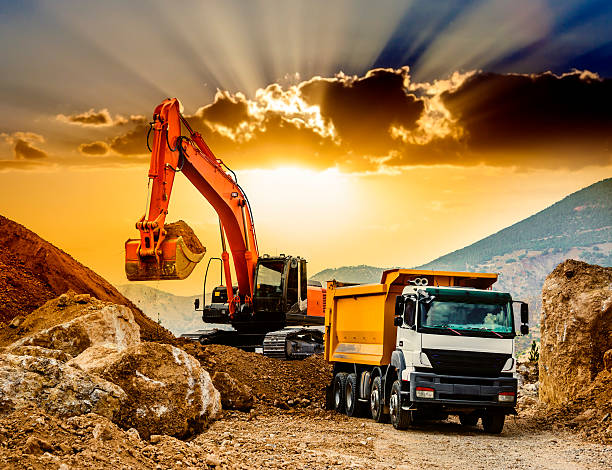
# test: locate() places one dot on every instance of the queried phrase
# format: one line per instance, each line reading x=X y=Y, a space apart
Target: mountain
x=173 y=312
x=362 y=274
x=577 y=227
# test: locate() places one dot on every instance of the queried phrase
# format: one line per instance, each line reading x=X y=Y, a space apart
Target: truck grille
x=470 y=363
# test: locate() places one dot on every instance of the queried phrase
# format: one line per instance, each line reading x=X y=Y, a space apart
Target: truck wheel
x=339 y=392
x=468 y=420
x=400 y=418
x=377 y=401
x=353 y=406
x=493 y=422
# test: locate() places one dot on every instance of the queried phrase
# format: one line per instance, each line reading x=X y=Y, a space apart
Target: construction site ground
x=296 y=439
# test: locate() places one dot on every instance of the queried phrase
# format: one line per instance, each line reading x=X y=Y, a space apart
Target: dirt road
x=332 y=441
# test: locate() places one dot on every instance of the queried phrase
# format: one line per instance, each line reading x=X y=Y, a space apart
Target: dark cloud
x=528 y=119
x=363 y=109
x=90 y=118
x=26 y=151
x=94 y=148
x=226 y=110
x=132 y=142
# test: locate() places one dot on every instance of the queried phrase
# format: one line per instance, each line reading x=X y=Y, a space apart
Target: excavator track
x=293 y=343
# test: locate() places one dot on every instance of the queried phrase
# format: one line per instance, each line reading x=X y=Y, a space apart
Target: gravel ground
x=328 y=440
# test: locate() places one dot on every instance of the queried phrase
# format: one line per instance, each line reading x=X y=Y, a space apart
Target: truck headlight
x=506 y=397
x=508 y=365
x=424 y=360
x=424 y=392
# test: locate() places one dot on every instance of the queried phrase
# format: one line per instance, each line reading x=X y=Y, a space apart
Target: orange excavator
x=274 y=306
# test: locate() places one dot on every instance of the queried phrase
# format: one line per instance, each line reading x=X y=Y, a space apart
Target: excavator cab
x=280 y=288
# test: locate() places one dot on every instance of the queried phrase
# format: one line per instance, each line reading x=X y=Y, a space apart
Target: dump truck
x=423 y=345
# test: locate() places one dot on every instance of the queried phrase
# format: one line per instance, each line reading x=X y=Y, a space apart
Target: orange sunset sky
x=368 y=133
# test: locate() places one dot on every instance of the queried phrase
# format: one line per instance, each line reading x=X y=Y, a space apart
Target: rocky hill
x=33 y=271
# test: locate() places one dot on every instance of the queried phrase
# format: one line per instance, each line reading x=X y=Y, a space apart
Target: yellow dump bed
x=359 y=318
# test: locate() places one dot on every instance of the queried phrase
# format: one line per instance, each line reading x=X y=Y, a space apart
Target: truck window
x=440 y=314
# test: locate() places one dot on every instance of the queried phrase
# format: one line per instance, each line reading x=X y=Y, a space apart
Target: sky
x=385 y=133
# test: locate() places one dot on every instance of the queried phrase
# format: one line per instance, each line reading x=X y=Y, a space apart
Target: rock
x=16 y=322
x=576 y=329
x=133 y=434
x=155 y=439
x=102 y=432
x=234 y=395
x=607 y=359
x=37 y=379
x=168 y=391
x=111 y=324
x=35 y=445
x=37 y=351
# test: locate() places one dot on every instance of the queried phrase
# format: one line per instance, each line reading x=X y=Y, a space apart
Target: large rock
x=32 y=375
x=109 y=324
x=168 y=391
x=576 y=329
x=234 y=395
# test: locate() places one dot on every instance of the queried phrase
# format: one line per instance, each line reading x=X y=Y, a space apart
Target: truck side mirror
x=398 y=320
x=524 y=313
x=409 y=312
x=524 y=329
x=196 y=304
x=399 y=306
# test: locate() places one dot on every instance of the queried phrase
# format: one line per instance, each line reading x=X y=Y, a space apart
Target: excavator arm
x=155 y=255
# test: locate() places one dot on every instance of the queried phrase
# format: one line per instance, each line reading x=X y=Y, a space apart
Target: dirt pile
x=33 y=271
x=181 y=229
x=576 y=329
x=576 y=335
x=34 y=439
x=284 y=384
x=95 y=362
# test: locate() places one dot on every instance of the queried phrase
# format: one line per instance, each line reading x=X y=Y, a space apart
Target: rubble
x=234 y=395
x=181 y=229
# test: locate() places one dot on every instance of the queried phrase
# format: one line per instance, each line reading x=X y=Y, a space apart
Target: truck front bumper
x=461 y=391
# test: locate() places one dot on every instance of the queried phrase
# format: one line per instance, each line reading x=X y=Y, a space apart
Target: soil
x=33 y=271
x=283 y=384
x=280 y=439
x=181 y=229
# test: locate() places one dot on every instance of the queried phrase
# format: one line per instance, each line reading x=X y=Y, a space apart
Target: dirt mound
x=576 y=329
x=33 y=271
x=181 y=229
x=284 y=384
x=576 y=335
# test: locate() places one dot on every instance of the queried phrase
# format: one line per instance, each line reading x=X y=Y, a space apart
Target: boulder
x=37 y=376
x=576 y=329
x=168 y=391
x=110 y=324
x=234 y=395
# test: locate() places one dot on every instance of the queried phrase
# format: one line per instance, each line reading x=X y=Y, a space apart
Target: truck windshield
x=269 y=279
x=491 y=319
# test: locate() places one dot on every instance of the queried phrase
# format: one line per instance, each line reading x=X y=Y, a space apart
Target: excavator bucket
x=175 y=262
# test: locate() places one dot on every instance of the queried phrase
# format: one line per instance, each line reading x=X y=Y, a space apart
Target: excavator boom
x=154 y=255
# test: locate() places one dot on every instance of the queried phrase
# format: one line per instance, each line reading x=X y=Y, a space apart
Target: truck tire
x=377 y=401
x=353 y=405
x=400 y=418
x=493 y=422
x=468 y=420
x=339 y=392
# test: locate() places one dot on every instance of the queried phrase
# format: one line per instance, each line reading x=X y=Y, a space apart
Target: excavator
x=273 y=306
